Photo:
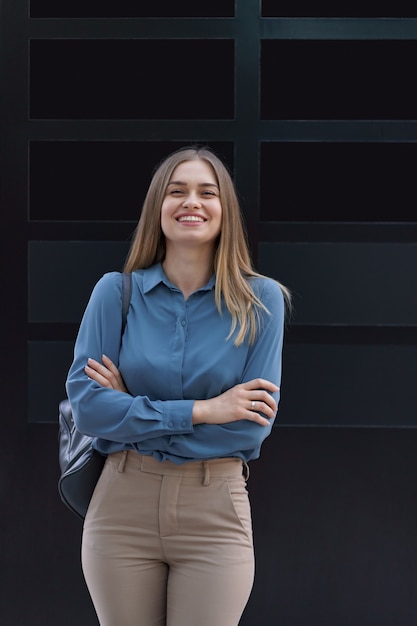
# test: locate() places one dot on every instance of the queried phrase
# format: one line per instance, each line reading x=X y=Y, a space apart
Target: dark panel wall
x=314 y=110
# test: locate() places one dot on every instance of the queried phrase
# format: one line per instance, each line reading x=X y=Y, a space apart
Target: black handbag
x=79 y=462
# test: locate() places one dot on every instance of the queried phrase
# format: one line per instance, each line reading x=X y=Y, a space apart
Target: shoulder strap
x=126 y=294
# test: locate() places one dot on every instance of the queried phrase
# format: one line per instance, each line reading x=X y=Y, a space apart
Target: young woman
x=181 y=410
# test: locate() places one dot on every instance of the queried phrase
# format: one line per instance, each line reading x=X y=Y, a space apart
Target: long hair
x=232 y=263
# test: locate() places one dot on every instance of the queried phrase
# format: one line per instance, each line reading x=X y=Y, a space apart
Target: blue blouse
x=173 y=352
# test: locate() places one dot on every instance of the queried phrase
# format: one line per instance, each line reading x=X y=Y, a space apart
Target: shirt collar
x=154 y=275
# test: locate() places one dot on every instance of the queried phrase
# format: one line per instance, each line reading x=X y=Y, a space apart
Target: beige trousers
x=169 y=545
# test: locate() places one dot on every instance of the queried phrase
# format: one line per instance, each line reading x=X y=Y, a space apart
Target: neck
x=188 y=271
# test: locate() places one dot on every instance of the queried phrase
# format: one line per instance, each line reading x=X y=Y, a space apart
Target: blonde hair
x=232 y=262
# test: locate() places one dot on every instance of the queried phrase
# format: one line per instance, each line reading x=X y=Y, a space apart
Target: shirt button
x=184 y=423
x=170 y=424
x=183 y=322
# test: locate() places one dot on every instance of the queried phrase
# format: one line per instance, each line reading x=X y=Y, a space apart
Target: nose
x=191 y=201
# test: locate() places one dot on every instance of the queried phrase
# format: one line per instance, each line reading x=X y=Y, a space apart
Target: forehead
x=196 y=169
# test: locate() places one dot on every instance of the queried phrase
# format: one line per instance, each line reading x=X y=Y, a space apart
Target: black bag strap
x=126 y=294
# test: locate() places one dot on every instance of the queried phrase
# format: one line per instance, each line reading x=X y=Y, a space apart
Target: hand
x=242 y=402
x=106 y=374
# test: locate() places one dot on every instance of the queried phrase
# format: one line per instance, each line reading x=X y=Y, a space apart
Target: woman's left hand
x=105 y=374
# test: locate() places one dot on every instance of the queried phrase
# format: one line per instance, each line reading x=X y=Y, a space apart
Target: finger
x=259 y=419
x=263 y=398
x=110 y=365
x=98 y=367
x=260 y=383
x=117 y=380
x=97 y=377
x=257 y=406
x=105 y=372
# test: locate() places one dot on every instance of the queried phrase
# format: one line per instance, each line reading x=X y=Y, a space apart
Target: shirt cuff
x=178 y=415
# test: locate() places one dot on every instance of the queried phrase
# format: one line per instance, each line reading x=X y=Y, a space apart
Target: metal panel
x=63 y=273
x=130 y=79
x=332 y=181
x=320 y=80
x=349 y=385
x=48 y=364
x=346 y=283
x=130 y=8
x=323 y=8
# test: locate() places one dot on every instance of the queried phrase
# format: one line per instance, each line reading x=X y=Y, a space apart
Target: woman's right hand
x=242 y=402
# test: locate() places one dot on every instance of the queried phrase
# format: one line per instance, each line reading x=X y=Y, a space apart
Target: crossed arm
x=251 y=400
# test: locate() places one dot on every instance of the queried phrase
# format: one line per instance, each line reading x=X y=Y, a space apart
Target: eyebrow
x=179 y=182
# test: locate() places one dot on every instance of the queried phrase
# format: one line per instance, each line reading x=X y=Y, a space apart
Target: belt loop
x=121 y=466
x=246 y=472
x=206 y=479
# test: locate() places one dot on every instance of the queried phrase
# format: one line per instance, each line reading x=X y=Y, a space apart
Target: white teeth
x=190 y=218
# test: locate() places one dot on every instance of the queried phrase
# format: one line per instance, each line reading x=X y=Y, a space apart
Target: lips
x=190 y=219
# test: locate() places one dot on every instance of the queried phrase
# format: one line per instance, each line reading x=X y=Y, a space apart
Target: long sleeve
x=107 y=413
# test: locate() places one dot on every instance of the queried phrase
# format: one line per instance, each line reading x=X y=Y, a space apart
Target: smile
x=191 y=218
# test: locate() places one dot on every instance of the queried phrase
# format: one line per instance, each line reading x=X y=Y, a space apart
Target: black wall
x=315 y=113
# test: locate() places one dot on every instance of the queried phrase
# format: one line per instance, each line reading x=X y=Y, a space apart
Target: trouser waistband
x=219 y=468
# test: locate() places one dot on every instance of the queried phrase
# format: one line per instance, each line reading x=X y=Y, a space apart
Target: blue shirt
x=173 y=352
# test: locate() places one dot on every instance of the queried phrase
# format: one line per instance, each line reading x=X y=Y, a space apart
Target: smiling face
x=191 y=211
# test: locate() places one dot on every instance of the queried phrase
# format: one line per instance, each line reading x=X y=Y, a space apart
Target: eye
x=176 y=192
x=208 y=193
